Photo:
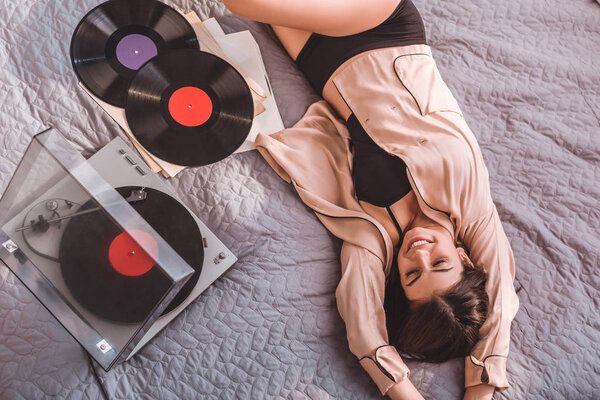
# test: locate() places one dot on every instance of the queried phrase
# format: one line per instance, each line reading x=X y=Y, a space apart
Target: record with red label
x=108 y=272
x=117 y=37
x=189 y=107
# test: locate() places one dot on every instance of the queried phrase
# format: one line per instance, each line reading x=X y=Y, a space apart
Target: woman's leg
x=293 y=21
x=327 y=17
x=293 y=40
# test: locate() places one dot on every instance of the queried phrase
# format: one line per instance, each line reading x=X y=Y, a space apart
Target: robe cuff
x=491 y=371
x=385 y=367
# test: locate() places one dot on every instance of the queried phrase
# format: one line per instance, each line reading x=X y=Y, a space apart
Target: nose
x=422 y=256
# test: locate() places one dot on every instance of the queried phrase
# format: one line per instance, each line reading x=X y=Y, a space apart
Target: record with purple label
x=117 y=37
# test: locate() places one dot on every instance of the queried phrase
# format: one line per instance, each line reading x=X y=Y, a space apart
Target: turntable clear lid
x=86 y=250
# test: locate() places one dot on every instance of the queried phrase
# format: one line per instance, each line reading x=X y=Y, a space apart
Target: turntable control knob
x=220 y=257
x=51 y=205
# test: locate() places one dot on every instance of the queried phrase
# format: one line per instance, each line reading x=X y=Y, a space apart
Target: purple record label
x=134 y=50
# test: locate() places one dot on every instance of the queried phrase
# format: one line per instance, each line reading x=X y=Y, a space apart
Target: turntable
x=104 y=244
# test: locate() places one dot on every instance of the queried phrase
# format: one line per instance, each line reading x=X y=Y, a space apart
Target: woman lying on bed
x=389 y=165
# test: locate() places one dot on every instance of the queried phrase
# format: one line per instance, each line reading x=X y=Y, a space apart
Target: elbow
x=346 y=305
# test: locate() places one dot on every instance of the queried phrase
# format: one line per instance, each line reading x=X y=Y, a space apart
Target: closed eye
x=410 y=273
x=436 y=264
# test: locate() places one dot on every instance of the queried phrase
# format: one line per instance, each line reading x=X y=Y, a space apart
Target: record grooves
x=189 y=107
x=94 y=254
x=117 y=37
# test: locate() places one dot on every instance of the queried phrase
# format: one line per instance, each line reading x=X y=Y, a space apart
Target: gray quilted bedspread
x=527 y=76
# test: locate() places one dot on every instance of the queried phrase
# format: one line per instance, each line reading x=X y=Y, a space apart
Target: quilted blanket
x=527 y=76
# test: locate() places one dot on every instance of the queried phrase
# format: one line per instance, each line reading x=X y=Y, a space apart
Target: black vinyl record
x=117 y=37
x=189 y=107
x=111 y=289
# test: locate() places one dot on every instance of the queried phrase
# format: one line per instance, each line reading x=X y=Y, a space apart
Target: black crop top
x=322 y=55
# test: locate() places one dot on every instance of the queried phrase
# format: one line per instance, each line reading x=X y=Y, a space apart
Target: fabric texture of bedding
x=526 y=77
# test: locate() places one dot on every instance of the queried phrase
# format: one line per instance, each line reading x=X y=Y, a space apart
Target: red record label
x=128 y=257
x=190 y=106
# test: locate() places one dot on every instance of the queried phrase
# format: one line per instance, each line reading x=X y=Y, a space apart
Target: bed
x=526 y=74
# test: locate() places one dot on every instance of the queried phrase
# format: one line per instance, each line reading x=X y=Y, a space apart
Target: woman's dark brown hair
x=445 y=327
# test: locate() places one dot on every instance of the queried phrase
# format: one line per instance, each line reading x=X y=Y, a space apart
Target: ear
x=464 y=257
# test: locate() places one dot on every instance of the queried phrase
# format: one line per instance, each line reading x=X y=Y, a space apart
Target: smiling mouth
x=417 y=242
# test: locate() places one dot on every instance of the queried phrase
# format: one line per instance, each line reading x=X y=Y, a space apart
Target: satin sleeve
x=489 y=247
x=360 y=296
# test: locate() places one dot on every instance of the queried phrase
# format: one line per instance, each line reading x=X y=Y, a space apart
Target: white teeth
x=418 y=243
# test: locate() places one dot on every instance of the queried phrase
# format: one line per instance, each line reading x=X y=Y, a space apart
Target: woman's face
x=428 y=262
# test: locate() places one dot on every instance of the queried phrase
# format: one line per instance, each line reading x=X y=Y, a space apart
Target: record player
x=104 y=244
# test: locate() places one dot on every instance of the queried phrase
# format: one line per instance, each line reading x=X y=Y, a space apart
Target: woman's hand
x=404 y=390
x=479 y=392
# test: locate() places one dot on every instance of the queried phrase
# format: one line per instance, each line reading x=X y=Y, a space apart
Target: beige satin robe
x=400 y=99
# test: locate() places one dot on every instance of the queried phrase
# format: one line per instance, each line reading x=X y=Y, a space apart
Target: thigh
x=293 y=40
x=327 y=17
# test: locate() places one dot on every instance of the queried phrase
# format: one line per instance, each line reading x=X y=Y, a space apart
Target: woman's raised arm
x=360 y=296
x=327 y=17
x=488 y=246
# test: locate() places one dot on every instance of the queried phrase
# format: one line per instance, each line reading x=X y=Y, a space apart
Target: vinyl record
x=117 y=37
x=189 y=107
x=107 y=272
